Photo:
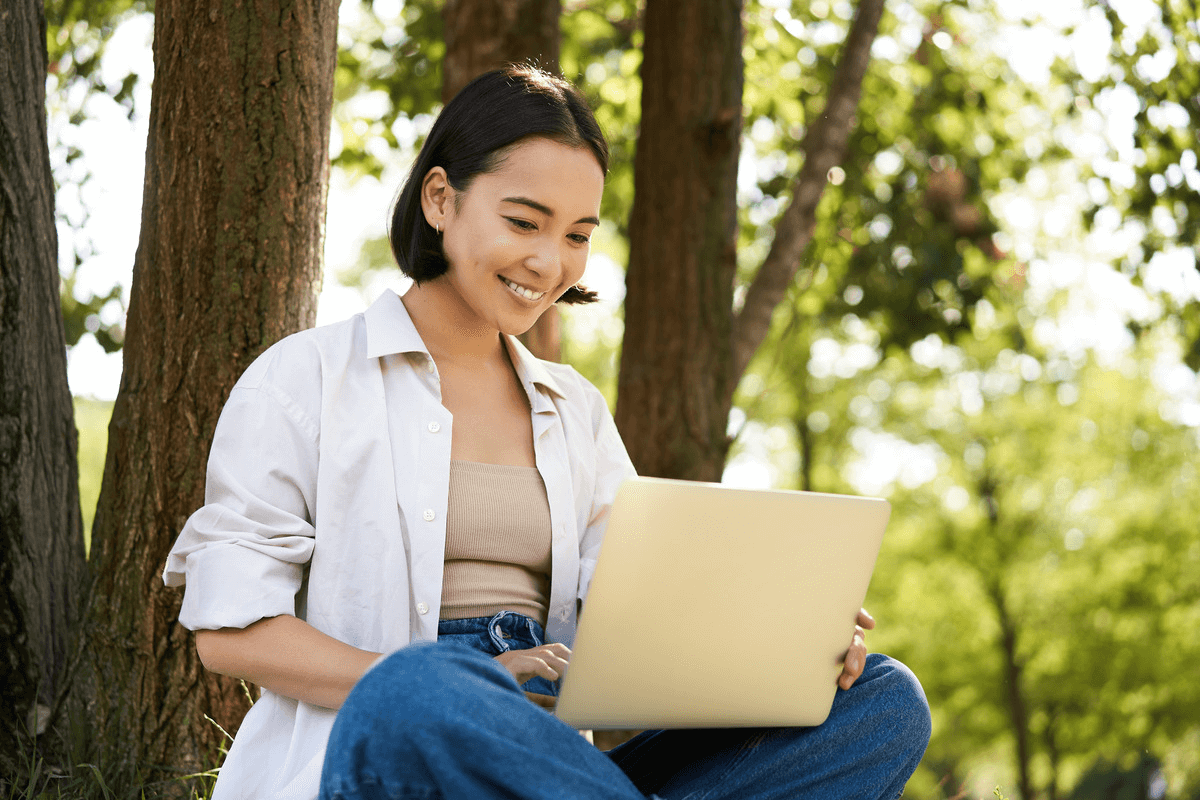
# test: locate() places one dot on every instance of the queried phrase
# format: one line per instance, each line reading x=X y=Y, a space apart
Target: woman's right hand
x=547 y=661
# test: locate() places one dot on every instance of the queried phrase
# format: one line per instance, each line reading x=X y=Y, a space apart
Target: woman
x=413 y=475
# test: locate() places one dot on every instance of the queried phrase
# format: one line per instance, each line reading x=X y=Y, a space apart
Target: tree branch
x=824 y=146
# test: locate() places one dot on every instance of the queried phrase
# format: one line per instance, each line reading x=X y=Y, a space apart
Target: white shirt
x=326 y=498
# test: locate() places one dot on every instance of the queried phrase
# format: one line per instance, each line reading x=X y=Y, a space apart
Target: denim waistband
x=498 y=634
x=506 y=631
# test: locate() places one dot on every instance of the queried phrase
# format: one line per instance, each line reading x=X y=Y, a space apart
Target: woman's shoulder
x=292 y=374
x=303 y=358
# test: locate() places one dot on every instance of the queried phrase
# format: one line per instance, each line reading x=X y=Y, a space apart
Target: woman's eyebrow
x=544 y=209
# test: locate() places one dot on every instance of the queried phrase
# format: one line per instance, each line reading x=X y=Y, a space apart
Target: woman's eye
x=523 y=224
x=579 y=238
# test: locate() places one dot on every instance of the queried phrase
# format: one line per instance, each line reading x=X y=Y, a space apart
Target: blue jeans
x=447 y=721
x=506 y=631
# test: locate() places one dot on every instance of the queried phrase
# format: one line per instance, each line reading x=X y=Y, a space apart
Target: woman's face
x=518 y=237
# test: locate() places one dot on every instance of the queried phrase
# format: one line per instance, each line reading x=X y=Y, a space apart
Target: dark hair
x=470 y=137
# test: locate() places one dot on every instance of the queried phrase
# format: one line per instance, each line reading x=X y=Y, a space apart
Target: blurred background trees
x=995 y=325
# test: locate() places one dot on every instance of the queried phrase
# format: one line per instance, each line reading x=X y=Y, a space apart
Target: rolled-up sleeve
x=241 y=557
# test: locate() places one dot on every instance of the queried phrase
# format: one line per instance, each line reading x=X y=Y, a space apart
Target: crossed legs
x=438 y=721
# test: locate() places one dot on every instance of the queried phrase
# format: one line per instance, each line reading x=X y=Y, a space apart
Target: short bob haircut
x=470 y=137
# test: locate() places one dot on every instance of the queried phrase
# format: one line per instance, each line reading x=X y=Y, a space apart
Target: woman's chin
x=520 y=328
x=520 y=324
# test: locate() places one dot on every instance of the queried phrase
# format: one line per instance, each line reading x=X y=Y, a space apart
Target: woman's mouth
x=528 y=294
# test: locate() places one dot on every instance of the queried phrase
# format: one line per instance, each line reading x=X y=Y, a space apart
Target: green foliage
x=1059 y=507
x=77 y=32
x=91 y=420
x=84 y=316
x=77 y=35
x=601 y=53
x=1155 y=182
x=904 y=238
x=387 y=84
x=1034 y=493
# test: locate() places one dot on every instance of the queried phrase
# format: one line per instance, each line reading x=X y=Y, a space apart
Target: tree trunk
x=1017 y=710
x=684 y=351
x=228 y=262
x=676 y=363
x=483 y=35
x=41 y=543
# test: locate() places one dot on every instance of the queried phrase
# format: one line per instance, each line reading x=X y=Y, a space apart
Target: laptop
x=713 y=606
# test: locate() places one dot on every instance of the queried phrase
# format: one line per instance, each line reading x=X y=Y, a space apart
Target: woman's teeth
x=528 y=294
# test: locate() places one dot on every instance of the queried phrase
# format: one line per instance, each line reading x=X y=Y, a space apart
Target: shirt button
x=429 y=365
x=563 y=614
x=422 y=608
x=429 y=515
x=434 y=427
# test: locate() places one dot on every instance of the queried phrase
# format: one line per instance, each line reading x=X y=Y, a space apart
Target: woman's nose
x=546 y=259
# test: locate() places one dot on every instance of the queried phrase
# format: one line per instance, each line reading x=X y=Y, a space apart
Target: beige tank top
x=497 y=542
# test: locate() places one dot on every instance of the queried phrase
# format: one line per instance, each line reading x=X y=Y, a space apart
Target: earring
x=439 y=229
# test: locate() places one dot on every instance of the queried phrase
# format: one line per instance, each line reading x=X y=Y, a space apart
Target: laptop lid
x=714 y=606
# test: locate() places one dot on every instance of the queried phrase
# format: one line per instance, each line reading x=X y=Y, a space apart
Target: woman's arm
x=287 y=656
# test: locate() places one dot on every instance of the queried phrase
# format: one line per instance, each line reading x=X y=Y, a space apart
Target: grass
x=37 y=780
x=86 y=781
x=91 y=419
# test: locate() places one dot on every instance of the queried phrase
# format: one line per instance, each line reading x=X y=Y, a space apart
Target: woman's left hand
x=855 y=659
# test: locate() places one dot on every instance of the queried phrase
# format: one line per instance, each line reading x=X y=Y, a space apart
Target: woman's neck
x=449 y=330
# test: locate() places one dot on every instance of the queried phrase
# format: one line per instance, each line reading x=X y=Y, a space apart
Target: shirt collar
x=390 y=330
x=530 y=369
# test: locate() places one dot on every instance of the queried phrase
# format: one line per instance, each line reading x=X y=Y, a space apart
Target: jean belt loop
x=496 y=633
x=533 y=632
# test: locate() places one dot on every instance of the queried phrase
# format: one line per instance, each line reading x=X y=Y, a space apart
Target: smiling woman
x=413 y=483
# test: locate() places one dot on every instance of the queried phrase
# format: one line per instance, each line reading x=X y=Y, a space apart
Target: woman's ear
x=436 y=197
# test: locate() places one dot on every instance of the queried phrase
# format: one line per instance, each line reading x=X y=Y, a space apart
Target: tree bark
x=483 y=35
x=228 y=262
x=42 y=563
x=824 y=147
x=676 y=364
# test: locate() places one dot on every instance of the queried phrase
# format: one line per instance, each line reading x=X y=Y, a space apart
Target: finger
x=559 y=665
x=859 y=641
x=558 y=649
x=865 y=620
x=546 y=701
x=855 y=661
x=850 y=673
x=524 y=666
x=539 y=667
